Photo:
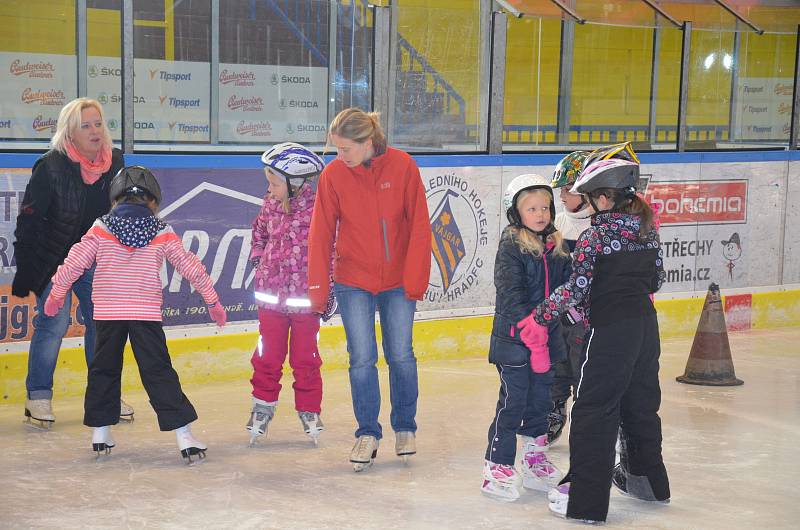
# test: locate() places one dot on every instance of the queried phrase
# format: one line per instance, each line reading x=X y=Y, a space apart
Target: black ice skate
x=41 y=411
x=636 y=486
x=555 y=421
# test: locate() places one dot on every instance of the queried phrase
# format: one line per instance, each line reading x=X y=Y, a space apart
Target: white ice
x=731 y=453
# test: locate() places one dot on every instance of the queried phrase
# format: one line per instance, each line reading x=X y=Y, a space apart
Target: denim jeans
x=48 y=332
x=357 y=308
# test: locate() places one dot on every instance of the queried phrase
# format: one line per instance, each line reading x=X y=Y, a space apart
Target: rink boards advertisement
x=172 y=99
x=719 y=223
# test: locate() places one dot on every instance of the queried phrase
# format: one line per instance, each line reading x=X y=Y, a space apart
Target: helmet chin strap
x=549 y=229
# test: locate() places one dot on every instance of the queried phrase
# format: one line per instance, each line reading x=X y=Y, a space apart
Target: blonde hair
x=69 y=120
x=359 y=126
x=531 y=243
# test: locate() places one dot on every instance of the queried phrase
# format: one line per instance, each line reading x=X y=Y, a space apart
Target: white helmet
x=296 y=163
x=613 y=173
x=517 y=186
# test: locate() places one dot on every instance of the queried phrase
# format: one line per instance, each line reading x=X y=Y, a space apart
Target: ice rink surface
x=731 y=453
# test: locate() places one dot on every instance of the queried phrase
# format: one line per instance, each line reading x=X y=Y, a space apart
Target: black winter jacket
x=51 y=217
x=519 y=283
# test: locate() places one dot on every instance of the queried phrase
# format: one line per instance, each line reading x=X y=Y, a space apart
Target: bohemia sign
x=694 y=202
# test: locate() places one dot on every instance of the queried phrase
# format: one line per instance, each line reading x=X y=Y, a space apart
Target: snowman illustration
x=732 y=250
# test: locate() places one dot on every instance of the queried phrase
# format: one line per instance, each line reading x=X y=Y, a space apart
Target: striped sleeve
x=190 y=267
x=81 y=257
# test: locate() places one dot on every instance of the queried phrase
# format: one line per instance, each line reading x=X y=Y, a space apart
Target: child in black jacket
x=531 y=259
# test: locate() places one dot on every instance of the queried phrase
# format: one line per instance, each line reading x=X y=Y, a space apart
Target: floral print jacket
x=632 y=269
x=280 y=249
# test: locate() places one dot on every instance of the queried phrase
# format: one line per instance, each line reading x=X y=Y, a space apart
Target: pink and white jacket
x=127 y=280
x=280 y=244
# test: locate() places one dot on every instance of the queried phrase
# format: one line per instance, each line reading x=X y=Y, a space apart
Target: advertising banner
x=33 y=88
x=258 y=103
x=212 y=210
x=763 y=108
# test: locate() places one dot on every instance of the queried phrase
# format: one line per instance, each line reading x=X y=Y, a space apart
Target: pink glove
x=52 y=306
x=534 y=335
x=218 y=314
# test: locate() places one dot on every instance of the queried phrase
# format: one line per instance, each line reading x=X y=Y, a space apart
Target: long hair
x=359 y=126
x=634 y=205
x=531 y=243
x=69 y=121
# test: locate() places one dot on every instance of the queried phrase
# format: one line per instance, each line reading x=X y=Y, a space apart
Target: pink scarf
x=91 y=171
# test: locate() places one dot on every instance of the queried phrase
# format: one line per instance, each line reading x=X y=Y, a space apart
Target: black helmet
x=135 y=180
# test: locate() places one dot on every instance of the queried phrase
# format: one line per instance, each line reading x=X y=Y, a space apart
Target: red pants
x=304 y=357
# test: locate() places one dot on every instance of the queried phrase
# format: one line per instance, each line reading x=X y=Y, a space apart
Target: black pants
x=522 y=409
x=618 y=387
x=101 y=406
x=568 y=371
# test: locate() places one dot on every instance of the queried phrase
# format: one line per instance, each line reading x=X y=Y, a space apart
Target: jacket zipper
x=385 y=240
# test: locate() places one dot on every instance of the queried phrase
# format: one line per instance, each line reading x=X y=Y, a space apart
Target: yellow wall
x=611 y=74
x=524 y=62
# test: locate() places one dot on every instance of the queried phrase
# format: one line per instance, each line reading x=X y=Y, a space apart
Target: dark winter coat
x=615 y=271
x=519 y=280
x=54 y=215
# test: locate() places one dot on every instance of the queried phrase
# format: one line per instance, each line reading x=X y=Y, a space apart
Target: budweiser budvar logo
x=40 y=124
x=254 y=128
x=41 y=70
x=44 y=97
x=251 y=104
x=237 y=78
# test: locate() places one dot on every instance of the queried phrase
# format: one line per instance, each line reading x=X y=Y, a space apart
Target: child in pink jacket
x=129 y=246
x=286 y=322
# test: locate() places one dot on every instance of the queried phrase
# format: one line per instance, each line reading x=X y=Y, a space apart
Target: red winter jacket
x=384 y=231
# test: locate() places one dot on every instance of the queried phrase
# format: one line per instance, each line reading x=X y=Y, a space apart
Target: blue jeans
x=48 y=332
x=357 y=308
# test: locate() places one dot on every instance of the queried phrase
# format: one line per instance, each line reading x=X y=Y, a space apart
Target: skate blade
x=193 y=451
x=253 y=440
x=361 y=466
x=40 y=425
x=128 y=418
x=507 y=494
x=538 y=485
x=101 y=449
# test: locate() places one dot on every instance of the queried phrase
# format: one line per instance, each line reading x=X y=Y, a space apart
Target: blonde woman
x=371 y=208
x=68 y=190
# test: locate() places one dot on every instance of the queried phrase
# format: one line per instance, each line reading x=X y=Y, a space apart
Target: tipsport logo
x=459 y=232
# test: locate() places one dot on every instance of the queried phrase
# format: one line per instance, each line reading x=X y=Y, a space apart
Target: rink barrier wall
x=201 y=356
x=226 y=357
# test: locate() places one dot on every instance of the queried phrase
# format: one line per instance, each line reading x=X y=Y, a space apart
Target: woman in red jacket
x=371 y=210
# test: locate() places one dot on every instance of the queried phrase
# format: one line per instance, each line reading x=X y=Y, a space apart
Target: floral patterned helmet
x=568 y=169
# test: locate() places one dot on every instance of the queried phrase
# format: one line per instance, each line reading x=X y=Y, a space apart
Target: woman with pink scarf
x=68 y=190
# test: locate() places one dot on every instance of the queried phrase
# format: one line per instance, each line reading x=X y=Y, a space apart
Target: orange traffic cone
x=710 y=359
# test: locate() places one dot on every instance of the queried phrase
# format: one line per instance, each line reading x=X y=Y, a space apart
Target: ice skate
x=405 y=444
x=364 y=452
x=556 y=420
x=125 y=411
x=260 y=416
x=189 y=446
x=500 y=482
x=102 y=441
x=312 y=425
x=558 y=499
x=39 y=410
x=634 y=486
x=538 y=473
